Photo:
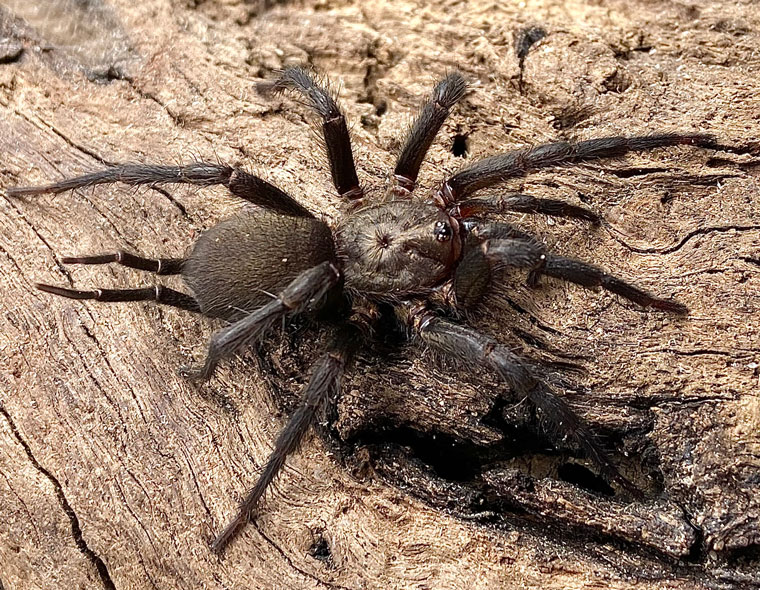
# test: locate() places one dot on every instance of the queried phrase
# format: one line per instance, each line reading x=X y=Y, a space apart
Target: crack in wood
x=178 y=121
x=289 y=561
x=671 y=249
x=125 y=503
x=195 y=481
x=23 y=504
x=16 y=266
x=103 y=355
x=62 y=268
x=76 y=529
x=735 y=353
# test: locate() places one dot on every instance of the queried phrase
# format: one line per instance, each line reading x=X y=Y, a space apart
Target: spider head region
x=398 y=248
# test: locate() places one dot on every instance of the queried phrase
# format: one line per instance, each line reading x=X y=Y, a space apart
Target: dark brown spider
x=426 y=260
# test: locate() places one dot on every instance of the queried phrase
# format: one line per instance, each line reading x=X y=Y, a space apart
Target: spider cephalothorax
x=416 y=257
x=398 y=249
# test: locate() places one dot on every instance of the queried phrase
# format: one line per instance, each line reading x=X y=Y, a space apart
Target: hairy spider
x=426 y=260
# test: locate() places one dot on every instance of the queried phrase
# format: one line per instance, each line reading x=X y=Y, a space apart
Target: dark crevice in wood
x=734 y=354
x=153 y=98
x=460 y=145
x=506 y=495
x=697 y=232
x=320 y=550
x=752 y=148
x=581 y=476
x=698 y=552
x=290 y=563
x=633 y=172
x=76 y=529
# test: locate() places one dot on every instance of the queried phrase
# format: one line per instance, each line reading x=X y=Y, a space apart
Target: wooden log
x=116 y=473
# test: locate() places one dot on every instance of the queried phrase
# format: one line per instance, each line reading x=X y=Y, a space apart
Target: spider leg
x=589 y=276
x=469 y=347
x=499 y=168
x=307 y=288
x=159 y=266
x=489 y=230
x=426 y=126
x=524 y=254
x=157 y=293
x=524 y=204
x=323 y=384
x=241 y=184
x=472 y=277
x=334 y=129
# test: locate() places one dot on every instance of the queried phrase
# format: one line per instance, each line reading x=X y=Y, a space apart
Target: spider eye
x=442 y=231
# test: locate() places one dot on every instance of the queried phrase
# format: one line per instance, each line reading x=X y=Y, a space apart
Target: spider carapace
x=420 y=257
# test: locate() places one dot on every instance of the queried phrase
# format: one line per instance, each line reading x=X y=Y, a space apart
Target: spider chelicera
x=420 y=261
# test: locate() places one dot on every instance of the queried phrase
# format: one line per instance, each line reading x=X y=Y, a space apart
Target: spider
x=423 y=263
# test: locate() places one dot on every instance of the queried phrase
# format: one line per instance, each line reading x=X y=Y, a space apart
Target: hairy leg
x=494 y=230
x=334 y=129
x=523 y=204
x=157 y=293
x=426 y=126
x=469 y=347
x=159 y=266
x=520 y=253
x=499 y=168
x=472 y=277
x=241 y=184
x=306 y=289
x=323 y=384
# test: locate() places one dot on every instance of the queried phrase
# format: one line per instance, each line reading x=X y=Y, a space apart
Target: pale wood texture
x=115 y=472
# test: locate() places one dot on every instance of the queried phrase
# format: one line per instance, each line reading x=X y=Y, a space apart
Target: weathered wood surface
x=114 y=472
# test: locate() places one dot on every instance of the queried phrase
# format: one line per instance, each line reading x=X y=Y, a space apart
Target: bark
x=115 y=472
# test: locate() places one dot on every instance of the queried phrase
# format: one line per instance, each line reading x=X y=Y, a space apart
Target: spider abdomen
x=240 y=264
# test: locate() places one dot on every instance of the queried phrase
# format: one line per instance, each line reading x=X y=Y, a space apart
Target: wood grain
x=115 y=473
